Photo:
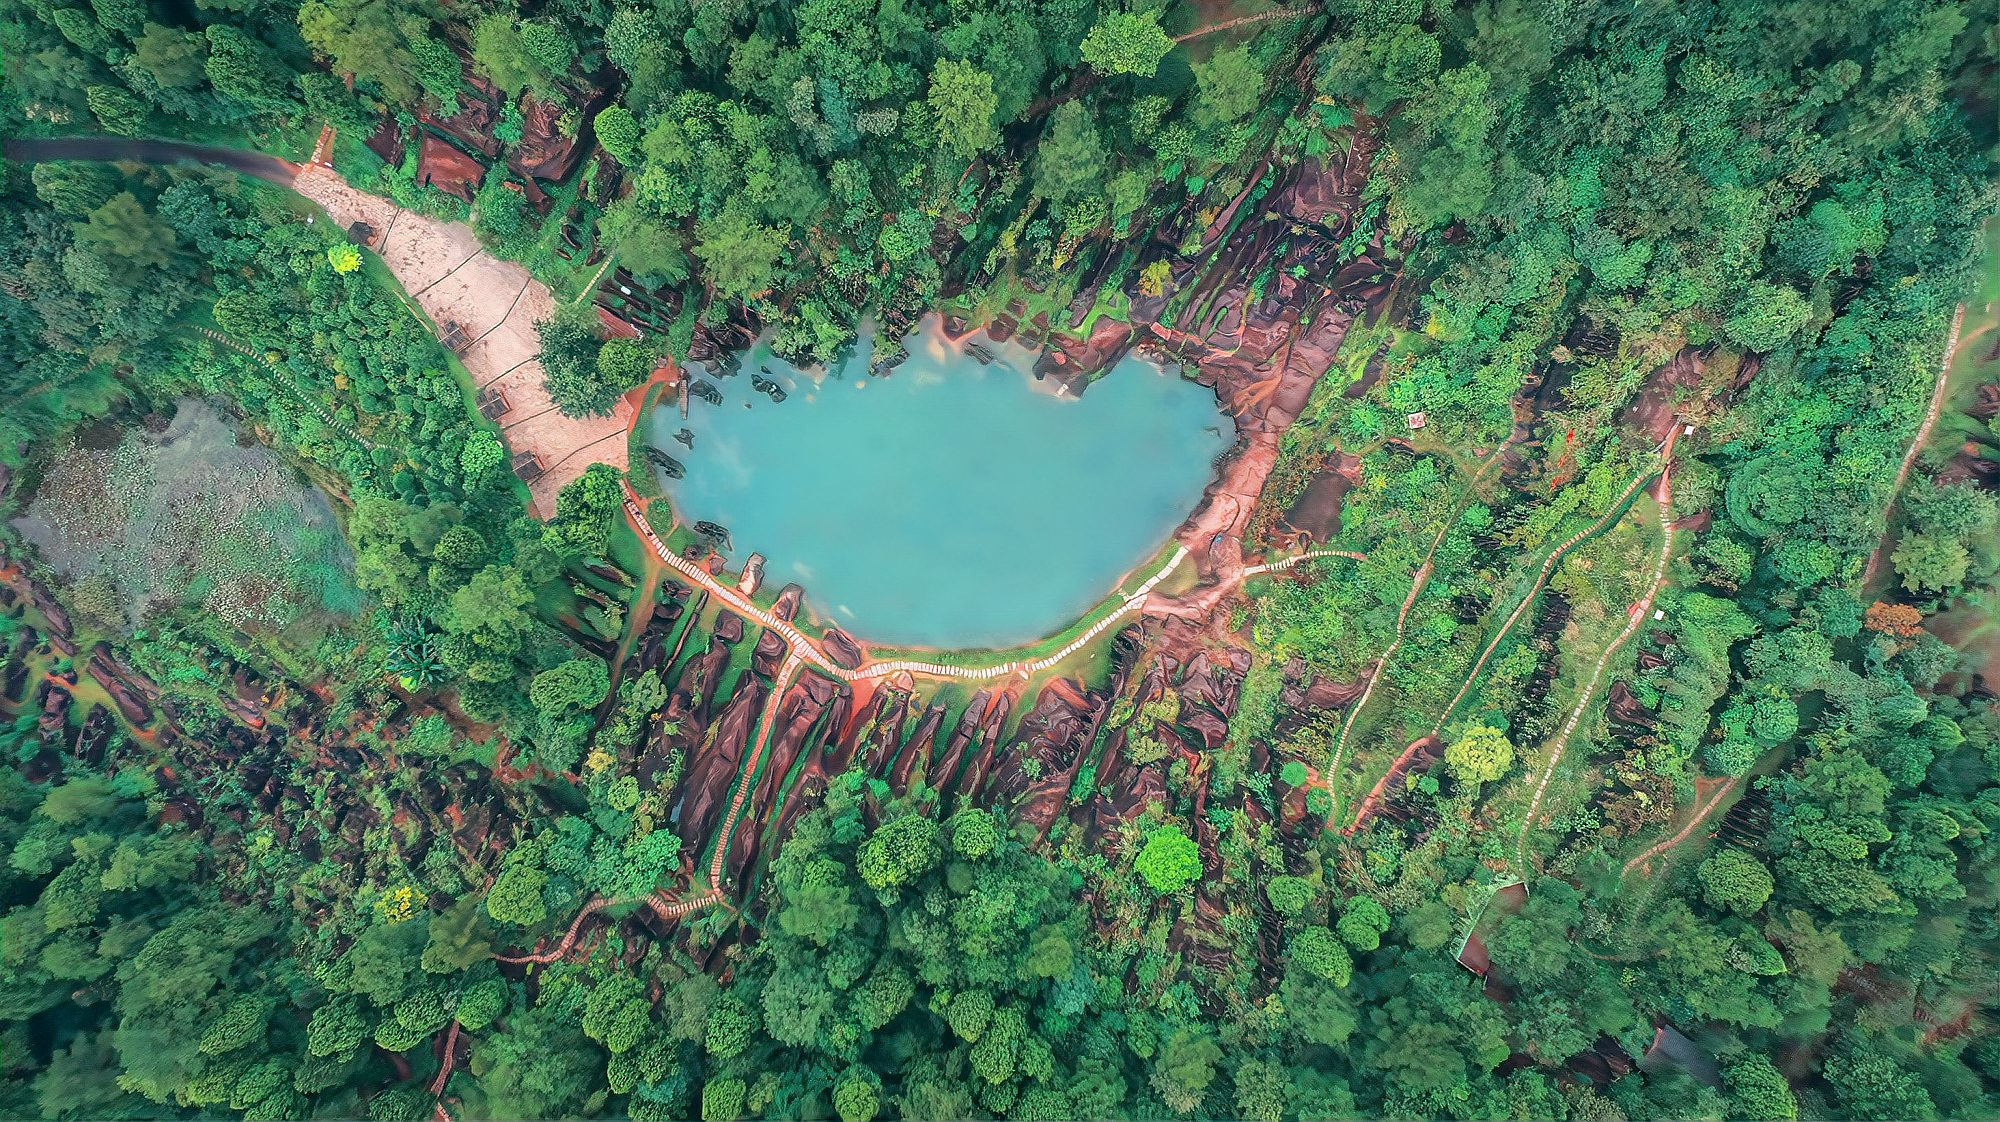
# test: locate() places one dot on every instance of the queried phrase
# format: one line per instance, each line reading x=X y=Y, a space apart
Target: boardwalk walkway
x=804 y=648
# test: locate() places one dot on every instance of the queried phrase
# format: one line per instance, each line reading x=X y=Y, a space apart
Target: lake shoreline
x=1042 y=485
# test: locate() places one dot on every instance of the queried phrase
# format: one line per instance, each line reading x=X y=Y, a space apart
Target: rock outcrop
x=705 y=787
x=442 y=165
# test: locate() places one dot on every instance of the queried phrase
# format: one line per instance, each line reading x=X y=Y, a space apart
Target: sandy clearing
x=497 y=303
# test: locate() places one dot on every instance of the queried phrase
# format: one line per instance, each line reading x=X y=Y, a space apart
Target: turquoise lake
x=950 y=504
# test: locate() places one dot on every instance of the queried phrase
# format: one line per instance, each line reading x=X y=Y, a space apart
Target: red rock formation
x=387 y=141
x=1421 y=753
x=129 y=692
x=1625 y=708
x=688 y=706
x=443 y=166
x=1059 y=732
x=789 y=599
x=769 y=654
x=877 y=741
x=1651 y=410
x=1321 y=692
x=544 y=151
x=945 y=767
x=801 y=709
x=58 y=620
x=705 y=787
x=841 y=648
x=478 y=112
x=985 y=741
x=808 y=793
x=729 y=627
x=55 y=699
x=918 y=756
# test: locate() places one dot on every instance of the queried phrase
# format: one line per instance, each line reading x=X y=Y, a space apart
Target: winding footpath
x=1662 y=495
x=1418 y=580
x=595 y=905
x=1666 y=449
x=1422 y=577
x=1939 y=392
x=1700 y=815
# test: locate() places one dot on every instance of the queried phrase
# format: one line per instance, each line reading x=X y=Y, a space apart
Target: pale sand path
x=444 y=269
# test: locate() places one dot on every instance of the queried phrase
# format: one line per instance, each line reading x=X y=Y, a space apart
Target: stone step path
x=285 y=378
x=1589 y=691
x=1655 y=582
x=595 y=905
x=734 y=598
x=675 y=909
x=717 y=864
x=1295 y=562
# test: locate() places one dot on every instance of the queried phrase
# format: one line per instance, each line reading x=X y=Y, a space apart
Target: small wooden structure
x=493 y=403
x=454 y=337
x=528 y=466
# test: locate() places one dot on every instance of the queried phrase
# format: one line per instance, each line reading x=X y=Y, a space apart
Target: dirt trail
x=1939 y=392
x=1244 y=21
x=1417 y=582
x=1700 y=815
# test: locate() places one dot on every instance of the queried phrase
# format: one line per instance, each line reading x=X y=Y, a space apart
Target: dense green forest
x=425 y=817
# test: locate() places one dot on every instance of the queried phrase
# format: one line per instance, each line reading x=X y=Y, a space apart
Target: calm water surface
x=950 y=504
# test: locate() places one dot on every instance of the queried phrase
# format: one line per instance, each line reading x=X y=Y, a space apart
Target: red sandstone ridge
x=1262 y=356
